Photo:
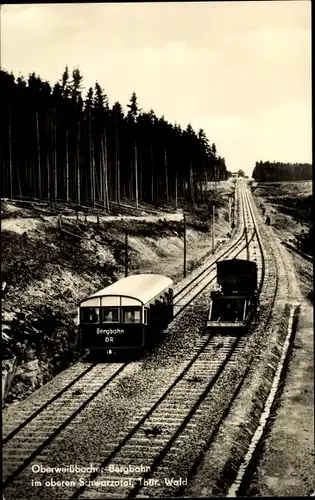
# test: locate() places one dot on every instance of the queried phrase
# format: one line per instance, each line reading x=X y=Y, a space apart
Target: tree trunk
x=38 y=158
x=31 y=186
x=78 y=167
x=101 y=170
x=92 y=164
x=67 y=166
x=191 y=183
x=102 y=174
x=27 y=180
x=107 y=172
x=140 y=176
x=206 y=187
x=176 y=198
x=10 y=155
x=157 y=188
x=136 y=174
x=106 y=184
x=48 y=159
x=97 y=187
x=55 y=158
x=166 y=176
x=18 y=178
x=117 y=169
x=152 y=174
x=131 y=186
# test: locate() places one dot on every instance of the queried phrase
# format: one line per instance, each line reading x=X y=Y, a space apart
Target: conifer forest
x=280 y=171
x=62 y=144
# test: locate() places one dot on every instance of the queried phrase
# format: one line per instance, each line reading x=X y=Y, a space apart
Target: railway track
x=158 y=437
x=208 y=437
x=23 y=443
x=244 y=364
x=18 y=425
x=208 y=276
x=246 y=468
x=165 y=424
x=245 y=471
x=269 y=291
x=173 y=411
x=11 y=424
x=199 y=282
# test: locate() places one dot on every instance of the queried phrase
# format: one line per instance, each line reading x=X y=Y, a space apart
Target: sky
x=239 y=70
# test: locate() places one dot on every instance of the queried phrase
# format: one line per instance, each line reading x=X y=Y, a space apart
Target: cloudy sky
x=241 y=70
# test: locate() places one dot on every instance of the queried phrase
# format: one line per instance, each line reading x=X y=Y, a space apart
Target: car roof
x=138 y=287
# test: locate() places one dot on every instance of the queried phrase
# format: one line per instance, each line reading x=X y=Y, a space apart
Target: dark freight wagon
x=127 y=314
x=234 y=302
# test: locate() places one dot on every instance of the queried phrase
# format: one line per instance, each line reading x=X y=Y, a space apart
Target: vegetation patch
x=290 y=207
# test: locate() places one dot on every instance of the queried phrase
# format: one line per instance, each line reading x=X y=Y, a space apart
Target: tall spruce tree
x=58 y=147
x=132 y=117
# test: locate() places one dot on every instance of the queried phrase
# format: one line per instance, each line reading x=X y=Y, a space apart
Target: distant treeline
x=277 y=171
x=58 y=146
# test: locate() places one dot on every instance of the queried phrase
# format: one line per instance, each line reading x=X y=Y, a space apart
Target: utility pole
x=212 y=232
x=126 y=254
x=184 y=245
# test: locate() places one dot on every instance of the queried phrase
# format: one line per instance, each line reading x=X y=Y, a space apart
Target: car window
x=131 y=315
x=110 y=315
x=90 y=315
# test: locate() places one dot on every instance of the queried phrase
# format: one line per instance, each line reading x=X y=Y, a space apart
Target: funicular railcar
x=127 y=314
x=234 y=302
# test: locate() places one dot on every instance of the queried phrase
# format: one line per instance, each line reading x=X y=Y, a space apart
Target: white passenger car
x=127 y=314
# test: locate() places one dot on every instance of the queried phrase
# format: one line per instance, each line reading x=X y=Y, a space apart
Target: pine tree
x=132 y=116
x=118 y=117
x=89 y=118
x=77 y=103
x=101 y=109
x=65 y=84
